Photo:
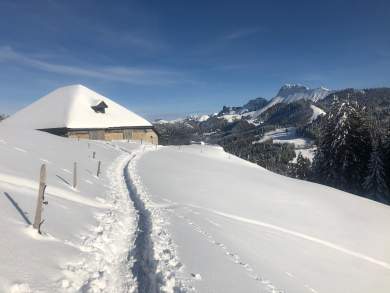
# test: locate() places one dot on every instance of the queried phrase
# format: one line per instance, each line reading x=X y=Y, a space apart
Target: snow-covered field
x=175 y=219
x=241 y=228
x=286 y=135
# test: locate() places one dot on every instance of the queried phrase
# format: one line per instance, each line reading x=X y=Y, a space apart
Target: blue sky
x=166 y=59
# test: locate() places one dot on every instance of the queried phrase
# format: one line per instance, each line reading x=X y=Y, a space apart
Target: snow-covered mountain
x=295 y=92
x=288 y=93
x=190 y=118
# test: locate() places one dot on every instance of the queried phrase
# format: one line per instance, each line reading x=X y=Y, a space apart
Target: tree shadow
x=17 y=207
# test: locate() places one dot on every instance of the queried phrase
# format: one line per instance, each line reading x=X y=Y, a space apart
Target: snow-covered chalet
x=78 y=112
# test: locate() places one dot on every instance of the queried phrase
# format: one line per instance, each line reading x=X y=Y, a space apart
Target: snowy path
x=156 y=266
x=108 y=266
x=144 y=267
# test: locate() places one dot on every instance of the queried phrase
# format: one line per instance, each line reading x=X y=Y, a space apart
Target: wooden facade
x=146 y=134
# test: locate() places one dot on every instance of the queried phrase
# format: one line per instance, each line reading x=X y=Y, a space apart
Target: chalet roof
x=75 y=106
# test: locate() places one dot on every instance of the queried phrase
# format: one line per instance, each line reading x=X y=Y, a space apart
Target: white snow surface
x=316 y=112
x=308 y=153
x=296 y=92
x=70 y=107
x=219 y=223
x=239 y=228
x=88 y=230
x=285 y=135
x=230 y=117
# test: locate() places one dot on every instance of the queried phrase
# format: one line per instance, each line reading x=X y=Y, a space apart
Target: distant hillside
x=376 y=101
x=292 y=106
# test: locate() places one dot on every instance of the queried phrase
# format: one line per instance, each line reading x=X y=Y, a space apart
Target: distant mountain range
x=252 y=110
x=293 y=106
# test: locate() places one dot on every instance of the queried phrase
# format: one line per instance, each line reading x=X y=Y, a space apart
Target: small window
x=100 y=108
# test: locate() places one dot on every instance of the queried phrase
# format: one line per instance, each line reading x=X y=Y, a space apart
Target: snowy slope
x=88 y=231
x=240 y=228
x=70 y=107
x=295 y=92
x=287 y=94
x=286 y=135
x=213 y=223
x=316 y=112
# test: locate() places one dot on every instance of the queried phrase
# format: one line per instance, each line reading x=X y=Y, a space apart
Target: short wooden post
x=98 y=169
x=74 y=175
x=93 y=155
x=41 y=200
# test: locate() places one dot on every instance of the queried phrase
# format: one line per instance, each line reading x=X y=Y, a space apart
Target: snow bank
x=240 y=228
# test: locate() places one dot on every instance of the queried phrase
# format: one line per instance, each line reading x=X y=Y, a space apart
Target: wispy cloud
x=244 y=32
x=134 y=39
x=132 y=75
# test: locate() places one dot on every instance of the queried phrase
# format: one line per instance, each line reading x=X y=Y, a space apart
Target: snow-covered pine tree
x=302 y=167
x=343 y=152
x=375 y=182
x=323 y=160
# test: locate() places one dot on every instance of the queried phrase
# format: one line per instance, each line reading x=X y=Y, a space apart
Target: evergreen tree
x=344 y=147
x=375 y=182
x=301 y=168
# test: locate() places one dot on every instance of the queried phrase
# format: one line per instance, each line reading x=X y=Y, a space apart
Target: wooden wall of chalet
x=147 y=134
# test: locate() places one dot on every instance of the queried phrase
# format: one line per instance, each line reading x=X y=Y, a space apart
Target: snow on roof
x=74 y=107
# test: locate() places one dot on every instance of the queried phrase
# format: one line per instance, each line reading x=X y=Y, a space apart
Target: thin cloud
x=243 y=33
x=136 y=40
x=131 y=75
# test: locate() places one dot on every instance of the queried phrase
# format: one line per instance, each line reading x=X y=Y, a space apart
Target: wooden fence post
x=98 y=169
x=74 y=175
x=93 y=155
x=41 y=200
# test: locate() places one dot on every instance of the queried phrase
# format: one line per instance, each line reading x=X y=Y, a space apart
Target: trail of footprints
x=232 y=256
